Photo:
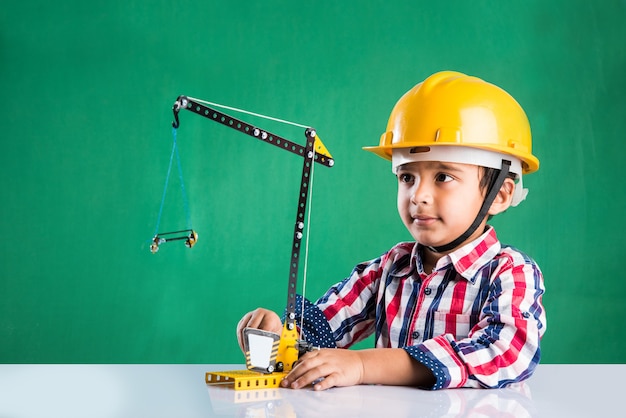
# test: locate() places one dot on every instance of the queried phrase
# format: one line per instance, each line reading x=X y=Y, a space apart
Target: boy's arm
x=337 y=367
x=503 y=347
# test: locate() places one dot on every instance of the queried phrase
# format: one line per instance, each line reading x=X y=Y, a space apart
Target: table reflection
x=372 y=401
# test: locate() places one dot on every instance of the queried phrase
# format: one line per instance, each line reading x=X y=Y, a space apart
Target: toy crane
x=269 y=356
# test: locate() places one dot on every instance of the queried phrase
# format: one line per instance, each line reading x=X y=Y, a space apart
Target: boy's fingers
x=308 y=370
x=240 y=327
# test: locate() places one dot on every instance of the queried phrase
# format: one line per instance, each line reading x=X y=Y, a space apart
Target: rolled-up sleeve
x=503 y=347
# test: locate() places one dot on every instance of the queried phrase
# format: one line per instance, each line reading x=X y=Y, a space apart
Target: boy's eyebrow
x=448 y=166
x=439 y=165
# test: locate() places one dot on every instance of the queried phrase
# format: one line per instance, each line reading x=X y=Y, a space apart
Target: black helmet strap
x=491 y=196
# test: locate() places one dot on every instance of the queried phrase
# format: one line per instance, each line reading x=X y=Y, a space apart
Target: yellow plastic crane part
x=320 y=148
x=245 y=379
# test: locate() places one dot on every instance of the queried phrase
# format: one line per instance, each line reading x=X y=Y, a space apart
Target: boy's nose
x=422 y=194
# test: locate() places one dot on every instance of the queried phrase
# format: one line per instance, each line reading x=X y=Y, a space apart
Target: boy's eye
x=443 y=178
x=405 y=178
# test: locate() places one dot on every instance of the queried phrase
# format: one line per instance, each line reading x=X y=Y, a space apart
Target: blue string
x=182 y=185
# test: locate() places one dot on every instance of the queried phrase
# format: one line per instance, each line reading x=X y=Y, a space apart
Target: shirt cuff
x=439 y=370
x=314 y=325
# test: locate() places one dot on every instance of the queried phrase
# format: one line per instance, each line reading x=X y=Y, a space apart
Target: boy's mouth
x=424 y=220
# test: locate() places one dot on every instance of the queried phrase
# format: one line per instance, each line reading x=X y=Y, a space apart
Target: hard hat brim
x=530 y=163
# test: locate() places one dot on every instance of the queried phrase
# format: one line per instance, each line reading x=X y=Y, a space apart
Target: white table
x=154 y=391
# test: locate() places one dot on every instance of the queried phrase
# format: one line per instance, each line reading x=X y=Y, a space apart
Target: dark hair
x=489 y=177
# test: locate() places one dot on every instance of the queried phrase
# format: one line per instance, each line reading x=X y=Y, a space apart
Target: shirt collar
x=468 y=259
x=473 y=256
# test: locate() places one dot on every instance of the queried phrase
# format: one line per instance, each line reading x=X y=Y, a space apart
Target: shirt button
x=415 y=335
x=427 y=291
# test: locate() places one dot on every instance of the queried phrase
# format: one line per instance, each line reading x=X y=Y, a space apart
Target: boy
x=455 y=308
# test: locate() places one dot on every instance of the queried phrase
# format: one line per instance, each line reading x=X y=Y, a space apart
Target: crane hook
x=180 y=103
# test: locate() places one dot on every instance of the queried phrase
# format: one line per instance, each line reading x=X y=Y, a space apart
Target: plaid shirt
x=475 y=321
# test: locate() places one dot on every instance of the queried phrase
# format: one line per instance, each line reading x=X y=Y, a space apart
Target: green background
x=87 y=92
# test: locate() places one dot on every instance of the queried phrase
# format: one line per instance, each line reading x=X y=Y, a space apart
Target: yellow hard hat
x=459 y=111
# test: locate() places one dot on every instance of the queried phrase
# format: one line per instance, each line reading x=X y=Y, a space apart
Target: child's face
x=438 y=201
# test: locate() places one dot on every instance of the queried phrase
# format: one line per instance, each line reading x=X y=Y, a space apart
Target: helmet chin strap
x=482 y=213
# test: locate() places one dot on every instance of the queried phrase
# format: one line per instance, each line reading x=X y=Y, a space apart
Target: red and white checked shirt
x=475 y=321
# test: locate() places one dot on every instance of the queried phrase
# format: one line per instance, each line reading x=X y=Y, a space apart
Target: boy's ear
x=504 y=197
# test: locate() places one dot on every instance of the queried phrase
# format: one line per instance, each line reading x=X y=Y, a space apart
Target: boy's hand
x=337 y=367
x=260 y=318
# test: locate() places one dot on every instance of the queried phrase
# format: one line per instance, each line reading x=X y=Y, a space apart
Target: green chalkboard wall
x=87 y=90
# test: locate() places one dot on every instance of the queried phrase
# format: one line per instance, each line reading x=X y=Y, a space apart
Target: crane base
x=245 y=379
